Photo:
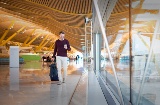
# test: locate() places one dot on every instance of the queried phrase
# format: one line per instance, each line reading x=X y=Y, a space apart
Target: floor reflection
x=14 y=78
x=30 y=84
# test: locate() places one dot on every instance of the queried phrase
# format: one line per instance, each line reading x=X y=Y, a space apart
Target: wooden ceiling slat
x=61 y=5
x=39 y=12
x=58 y=5
x=74 y=10
x=71 y=9
x=64 y=6
x=84 y=4
x=77 y=6
x=53 y=3
x=80 y=7
x=89 y=6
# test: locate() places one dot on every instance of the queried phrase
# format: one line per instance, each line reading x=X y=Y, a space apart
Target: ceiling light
x=86 y=19
x=81 y=39
x=3 y=2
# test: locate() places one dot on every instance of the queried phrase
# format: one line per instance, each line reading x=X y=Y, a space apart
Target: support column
x=40 y=45
x=97 y=51
x=6 y=32
x=85 y=51
x=51 y=46
x=29 y=36
x=33 y=39
x=12 y=36
x=44 y=44
x=94 y=50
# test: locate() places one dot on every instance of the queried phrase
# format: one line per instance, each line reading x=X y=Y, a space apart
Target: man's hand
x=65 y=46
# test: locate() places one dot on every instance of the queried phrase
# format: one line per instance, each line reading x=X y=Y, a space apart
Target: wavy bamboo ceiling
x=48 y=17
x=51 y=15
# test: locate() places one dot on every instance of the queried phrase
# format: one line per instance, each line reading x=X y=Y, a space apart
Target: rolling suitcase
x=53 y=72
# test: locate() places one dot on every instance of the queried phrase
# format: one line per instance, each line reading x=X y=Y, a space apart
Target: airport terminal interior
x=114 y=57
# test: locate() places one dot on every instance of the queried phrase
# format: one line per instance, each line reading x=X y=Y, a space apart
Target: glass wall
x=146 y=52
x=130 y=57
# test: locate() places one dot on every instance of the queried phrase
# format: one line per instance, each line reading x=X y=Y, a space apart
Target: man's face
x=61 y=35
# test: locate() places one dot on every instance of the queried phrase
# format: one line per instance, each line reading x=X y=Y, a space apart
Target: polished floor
x=30 y=85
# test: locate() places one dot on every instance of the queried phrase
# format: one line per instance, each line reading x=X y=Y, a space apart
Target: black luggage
x=53 y=72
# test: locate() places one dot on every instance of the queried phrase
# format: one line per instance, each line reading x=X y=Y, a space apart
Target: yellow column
x=12 y=36
x=24 y=44
x=44 y=44
x=6 y=32
x=38 y=48
x=18 y=44
x=33 y=39
x=51 y=46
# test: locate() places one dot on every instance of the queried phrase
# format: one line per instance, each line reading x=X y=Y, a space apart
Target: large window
x=133 y=38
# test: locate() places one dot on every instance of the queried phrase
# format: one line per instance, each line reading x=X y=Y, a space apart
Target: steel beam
x=33 y=40
x=6 y=31
x=40 y=45
x=44 y=44
x=110 y=6
x=12 y=36
x=51 y=46
x=29 y=36
x=102 y=6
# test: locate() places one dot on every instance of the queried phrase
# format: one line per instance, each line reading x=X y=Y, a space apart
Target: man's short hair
x=61 y=32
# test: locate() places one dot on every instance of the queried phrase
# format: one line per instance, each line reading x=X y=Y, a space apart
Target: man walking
x=60 y=50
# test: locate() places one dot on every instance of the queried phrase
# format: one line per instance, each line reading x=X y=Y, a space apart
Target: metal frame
x=87 y=48
x=85 y=53
x=130 y=47
x=97 y=43
x=149 y=58
x=107 y=46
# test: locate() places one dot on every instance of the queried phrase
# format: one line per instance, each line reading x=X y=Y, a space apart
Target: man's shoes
x=59 y=83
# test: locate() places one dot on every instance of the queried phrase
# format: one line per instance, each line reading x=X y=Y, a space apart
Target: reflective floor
x=151 y=89
x=30 y=84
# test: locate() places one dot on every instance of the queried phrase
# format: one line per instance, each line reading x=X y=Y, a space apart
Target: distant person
x=77 y=57
x=60 y=50
x=43 y=58
x=48 y=59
